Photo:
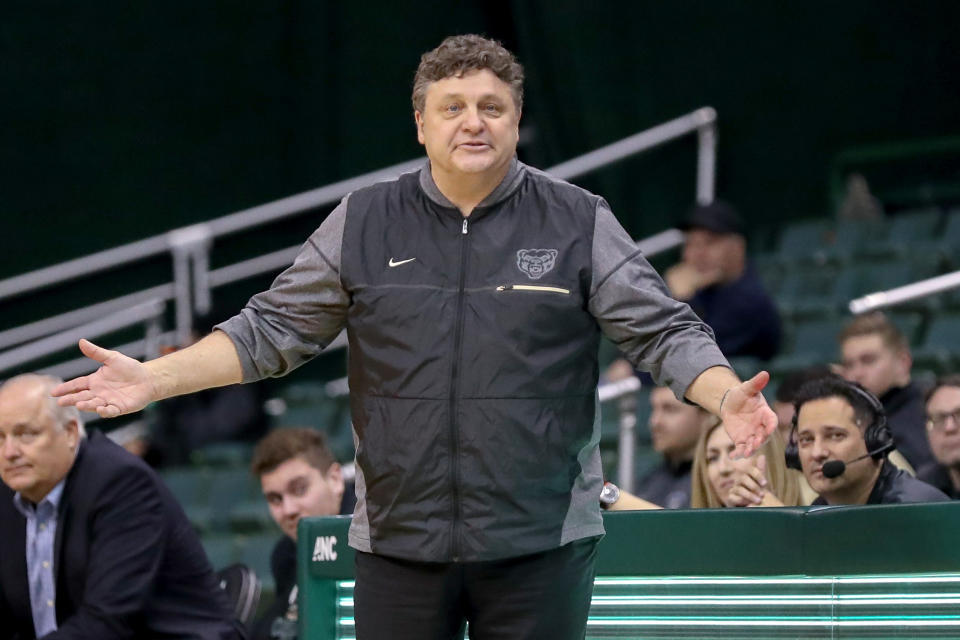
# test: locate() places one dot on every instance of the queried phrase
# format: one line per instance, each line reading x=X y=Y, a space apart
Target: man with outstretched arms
x=474 y=292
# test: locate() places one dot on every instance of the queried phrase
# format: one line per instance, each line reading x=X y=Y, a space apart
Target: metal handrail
x=155 y=245
x=906 y=293
x=702 y=121
x=143 y=312
x=190 y=245
x=40 y=328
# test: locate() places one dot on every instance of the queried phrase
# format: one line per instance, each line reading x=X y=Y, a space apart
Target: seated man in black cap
x=721 y=286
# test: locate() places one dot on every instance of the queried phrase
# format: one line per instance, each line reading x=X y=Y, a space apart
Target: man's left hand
x=747 y=418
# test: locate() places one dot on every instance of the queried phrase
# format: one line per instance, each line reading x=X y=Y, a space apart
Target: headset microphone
x=834 y=468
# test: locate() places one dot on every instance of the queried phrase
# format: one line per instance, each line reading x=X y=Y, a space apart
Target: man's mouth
x=16 y=469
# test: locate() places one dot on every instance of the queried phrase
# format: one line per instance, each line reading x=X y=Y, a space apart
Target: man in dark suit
x=93 y=545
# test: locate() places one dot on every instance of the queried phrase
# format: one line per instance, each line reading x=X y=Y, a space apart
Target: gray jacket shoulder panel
x=300 y=314
x=636 y=312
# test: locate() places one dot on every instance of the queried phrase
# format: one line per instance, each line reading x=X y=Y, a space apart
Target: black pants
x=543 y=596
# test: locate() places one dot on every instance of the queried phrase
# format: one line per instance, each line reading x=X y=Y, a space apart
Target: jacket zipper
x=532 y=287
x=454 y=392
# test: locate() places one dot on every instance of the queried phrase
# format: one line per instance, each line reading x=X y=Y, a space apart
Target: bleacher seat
x=940 y=349
x=905 y=231
x=254 y=551
x=308 y=405
x=810 y=343
x=803 y=241
x=220 y=549
x=807 y=292
x=190 y=487
x=853 y=239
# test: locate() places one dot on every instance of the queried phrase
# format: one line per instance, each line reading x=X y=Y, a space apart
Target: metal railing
x=190 y=246
x=906 y=293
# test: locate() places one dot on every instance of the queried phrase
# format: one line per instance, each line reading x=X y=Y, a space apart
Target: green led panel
x=902 y=606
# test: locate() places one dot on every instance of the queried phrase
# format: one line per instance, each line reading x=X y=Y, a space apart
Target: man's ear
x=72 y=429
x=334 y=474
x=904 y=361
x=418 y=119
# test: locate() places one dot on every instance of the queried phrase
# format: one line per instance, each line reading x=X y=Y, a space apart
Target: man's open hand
x=121 y=385
x=747 y=418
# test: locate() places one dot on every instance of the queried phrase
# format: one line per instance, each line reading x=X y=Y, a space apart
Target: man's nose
x=472 y=121
x=818 y=451
x=9 y=449
x=289 y=507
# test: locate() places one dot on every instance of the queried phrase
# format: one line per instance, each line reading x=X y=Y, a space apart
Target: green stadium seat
x=220 y=549
x=905 y=231
x=308 y=405
x=223 y=454
x=230 y=488
x=812 y=342
x=870 y=277
x=807 y=292
x=190 y=487
x=852 y=238
x=805 y=241
x=254 y=551
x=940 y=349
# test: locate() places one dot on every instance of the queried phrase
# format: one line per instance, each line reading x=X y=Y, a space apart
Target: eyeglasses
x=938 y=421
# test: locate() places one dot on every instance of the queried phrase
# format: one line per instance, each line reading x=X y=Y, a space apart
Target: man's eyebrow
x=296 y=479
x=460 y=96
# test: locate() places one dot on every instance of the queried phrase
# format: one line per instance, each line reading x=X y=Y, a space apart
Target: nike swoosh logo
x=391 y=263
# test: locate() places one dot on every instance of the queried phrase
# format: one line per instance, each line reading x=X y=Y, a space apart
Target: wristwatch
x=609 y=495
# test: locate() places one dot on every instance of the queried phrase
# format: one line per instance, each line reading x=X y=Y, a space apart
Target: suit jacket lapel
x=63 y=513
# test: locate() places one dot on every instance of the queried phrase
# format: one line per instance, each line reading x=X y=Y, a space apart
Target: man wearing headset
x=840 y=440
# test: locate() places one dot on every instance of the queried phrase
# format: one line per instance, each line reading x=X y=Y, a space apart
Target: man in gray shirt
x=474 y=293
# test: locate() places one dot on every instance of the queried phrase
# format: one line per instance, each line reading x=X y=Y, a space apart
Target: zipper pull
x=464 y=226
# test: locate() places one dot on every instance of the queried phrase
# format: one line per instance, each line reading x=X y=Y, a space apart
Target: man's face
x=827 y=430
x=674 y=426
x=868 y=361
x=716 y=256
x=35 y=452
x=943 y=426
x=295 y=490
x=469 y=124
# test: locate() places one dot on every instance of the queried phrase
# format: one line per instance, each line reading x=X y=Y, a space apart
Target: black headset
x=876 y=436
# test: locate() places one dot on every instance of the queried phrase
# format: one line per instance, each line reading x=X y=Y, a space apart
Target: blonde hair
x=783 y=482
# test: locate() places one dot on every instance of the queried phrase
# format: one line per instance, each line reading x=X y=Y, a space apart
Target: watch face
x=609 y=494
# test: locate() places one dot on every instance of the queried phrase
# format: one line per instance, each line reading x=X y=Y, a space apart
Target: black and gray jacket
x=473 y=356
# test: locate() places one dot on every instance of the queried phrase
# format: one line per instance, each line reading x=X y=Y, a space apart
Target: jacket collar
x=503 y=190
x=881 y=486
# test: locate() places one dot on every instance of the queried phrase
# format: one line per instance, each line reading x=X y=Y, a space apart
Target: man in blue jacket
x=94 y=546
x=474 y=292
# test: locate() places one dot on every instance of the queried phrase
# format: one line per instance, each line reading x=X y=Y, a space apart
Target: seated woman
x=760 y=480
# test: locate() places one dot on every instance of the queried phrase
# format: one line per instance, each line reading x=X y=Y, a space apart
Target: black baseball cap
x=718 y=216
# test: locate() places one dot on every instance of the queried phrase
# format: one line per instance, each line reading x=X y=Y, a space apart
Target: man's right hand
x=121 y=385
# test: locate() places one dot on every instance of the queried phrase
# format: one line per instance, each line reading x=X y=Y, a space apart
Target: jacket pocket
x=533 y=287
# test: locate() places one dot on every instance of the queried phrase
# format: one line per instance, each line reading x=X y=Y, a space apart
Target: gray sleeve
x=302 y=311
x=635 y=311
